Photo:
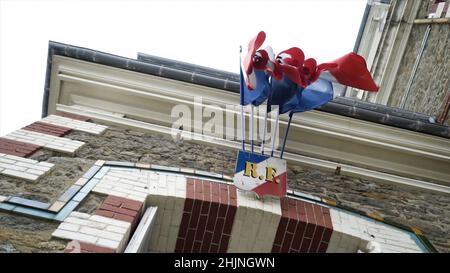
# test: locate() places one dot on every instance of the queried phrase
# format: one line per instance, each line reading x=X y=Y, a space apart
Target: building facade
x=406 y=45
x=105 y=170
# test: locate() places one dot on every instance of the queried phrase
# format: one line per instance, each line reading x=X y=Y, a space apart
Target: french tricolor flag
x=349 y=70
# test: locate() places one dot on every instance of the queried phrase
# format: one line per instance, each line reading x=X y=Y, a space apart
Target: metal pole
x=416 y=64
x=275 y=133
x=286 y=134
x=251 y=128
x=243 y=127
x=265 y=129
x=242 y=100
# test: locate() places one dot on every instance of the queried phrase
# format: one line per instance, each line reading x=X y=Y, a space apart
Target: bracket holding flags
x=291 y=84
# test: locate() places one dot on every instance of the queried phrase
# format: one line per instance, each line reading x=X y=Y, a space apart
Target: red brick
x=233 y=195
x=72 y=116
x=316 y=239
x=95 y=249
x=319 y=215
x=207 y=191
x=17 y=148
x=327 y=235
x=198 y=189
x=188 y=204
x=305 y=245
x=218 y=230
x=207 y=239
x=327 y=218
x=223 y=210
x=310 y=213
x=212 y=217
x=276 y=248
x=184 y=225
x=223 y=247
x=298 y=235
x=195 y=213
x=214 y=248
x=132 y=206
x=201 y=227
x=190 y=188
x=48 y=129
x=229 y=220
x=309 y=233
x=128 y=212
x=189 y=240
x=287 y=241
x=323 y=247
x=123 y=217
x=105 y=213
x=196 y=247
x=205 y=207
x=215 y=192
x=179 y=245
x=223 y=195
x=112 y=202
x=292 y=224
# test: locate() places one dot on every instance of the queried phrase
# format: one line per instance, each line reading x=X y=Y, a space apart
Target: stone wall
x=432 y=82
x=428 y=211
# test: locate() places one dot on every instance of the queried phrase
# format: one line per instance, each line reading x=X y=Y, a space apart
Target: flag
x=313 y=96
x=261 y=91
x=351 y=70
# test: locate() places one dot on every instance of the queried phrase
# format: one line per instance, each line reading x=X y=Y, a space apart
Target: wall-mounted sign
x=261 y=174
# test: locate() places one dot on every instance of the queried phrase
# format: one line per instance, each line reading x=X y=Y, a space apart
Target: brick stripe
x=121 y=209
x=73 y=116
x=48 y=129
x=303 y=227
x=17 y=148
x=208 y=216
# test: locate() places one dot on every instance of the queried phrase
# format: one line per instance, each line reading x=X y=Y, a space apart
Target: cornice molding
x=146 y=102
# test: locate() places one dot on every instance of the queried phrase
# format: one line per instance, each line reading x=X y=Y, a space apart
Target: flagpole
x=251 y=128
x=275 y=132
x=286 y=134
x=265 y=128
x=242 y=101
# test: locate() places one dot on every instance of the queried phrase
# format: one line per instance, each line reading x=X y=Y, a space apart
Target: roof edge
x=200 y=75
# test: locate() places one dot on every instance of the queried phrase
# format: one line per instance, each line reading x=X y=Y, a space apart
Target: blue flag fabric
x=261 y=92
x=281 y=92
x=313 y=96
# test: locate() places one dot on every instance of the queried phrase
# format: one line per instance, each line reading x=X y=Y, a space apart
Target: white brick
x=71 y=235
x=80 y=215
x=74 y=124
x=102 y=233
x=109 y=221
x=108 y=243
x=13 y=167
x=19 y=174
x=48 y=141
x=8 y=161
x=116 y=229
x=35 y=172
x=69 y=227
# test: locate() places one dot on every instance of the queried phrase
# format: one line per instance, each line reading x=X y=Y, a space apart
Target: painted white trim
x=146 y=102
x=320 y=164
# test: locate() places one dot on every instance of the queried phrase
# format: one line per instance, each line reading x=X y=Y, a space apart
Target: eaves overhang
x=141 y=95
x=227 y=81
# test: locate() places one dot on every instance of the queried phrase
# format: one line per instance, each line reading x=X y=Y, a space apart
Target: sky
x=206 y=33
